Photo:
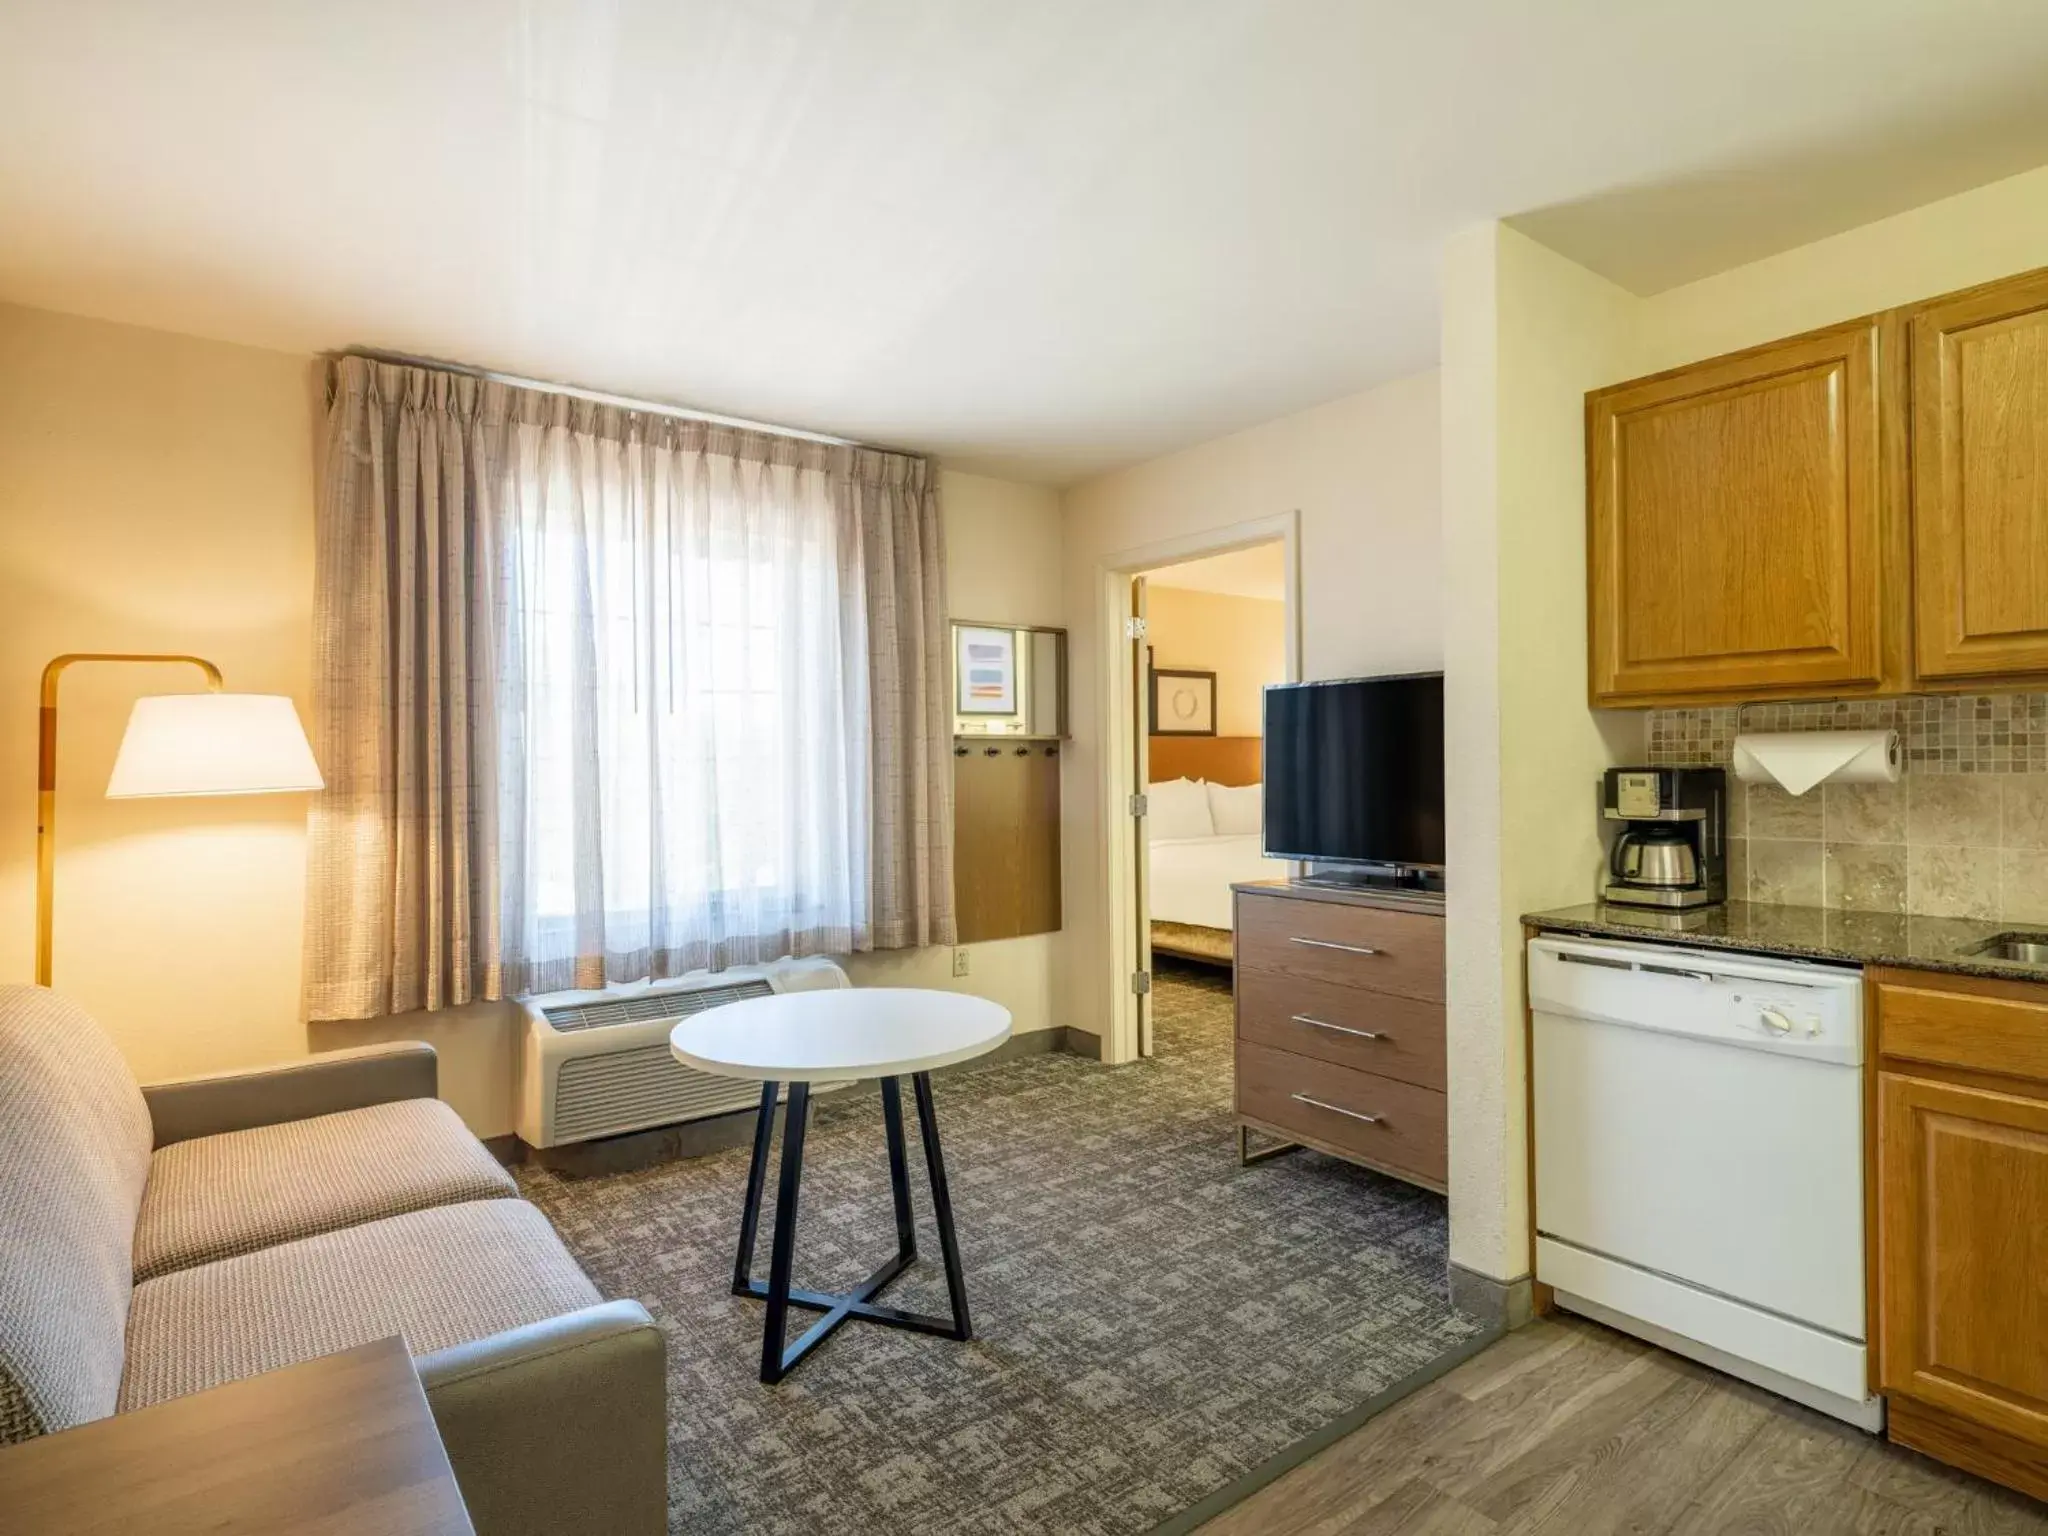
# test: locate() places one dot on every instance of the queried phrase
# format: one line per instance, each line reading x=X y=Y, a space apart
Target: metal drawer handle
x=1342 y=1029
x=1336 y=1109
x=1349 y=949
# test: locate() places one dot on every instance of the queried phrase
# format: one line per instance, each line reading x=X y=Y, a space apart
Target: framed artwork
x=1183 y=703
x=985 y=670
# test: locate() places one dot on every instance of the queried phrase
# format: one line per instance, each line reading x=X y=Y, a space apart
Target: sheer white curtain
x=683 y=707
x=604 y=695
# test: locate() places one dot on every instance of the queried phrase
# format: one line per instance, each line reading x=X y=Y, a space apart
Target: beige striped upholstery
x=74 y=1152
x=217 y=1196
x=437 y=1278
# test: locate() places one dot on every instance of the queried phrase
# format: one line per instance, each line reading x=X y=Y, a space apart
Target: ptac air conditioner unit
x=598 y=1064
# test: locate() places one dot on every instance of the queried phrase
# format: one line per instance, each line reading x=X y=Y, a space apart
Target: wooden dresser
x=1340 y=1026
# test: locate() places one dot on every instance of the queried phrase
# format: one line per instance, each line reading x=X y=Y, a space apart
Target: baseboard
x=1987 y=1452
x=508 y=1150
x=1502 y=1304
x=1036 y=1042
x=1286 y=1461
x=720 y=1133
x=1079 y=1042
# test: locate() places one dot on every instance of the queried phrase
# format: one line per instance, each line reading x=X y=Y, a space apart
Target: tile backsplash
x=1964 y=833
x=1941 y=733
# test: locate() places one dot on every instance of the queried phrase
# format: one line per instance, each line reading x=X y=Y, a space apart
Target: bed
x=1205 y=837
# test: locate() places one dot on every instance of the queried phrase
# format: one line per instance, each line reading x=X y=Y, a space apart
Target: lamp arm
x=46 y=777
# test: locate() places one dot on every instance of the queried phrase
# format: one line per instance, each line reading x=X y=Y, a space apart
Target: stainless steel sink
x=2020 y=948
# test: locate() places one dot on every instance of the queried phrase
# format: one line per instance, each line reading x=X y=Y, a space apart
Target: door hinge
x=1141 y=982
x=1134 y=629
x=1141 y=805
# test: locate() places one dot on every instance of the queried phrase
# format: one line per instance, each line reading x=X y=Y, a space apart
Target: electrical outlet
x=960 y=961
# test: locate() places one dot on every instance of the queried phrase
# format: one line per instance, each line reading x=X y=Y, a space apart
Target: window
x=685 y=780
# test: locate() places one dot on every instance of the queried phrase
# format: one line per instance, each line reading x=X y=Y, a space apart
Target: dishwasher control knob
x=1775 y=1022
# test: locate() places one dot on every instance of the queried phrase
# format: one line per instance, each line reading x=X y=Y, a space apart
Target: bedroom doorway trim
x=1117 y=865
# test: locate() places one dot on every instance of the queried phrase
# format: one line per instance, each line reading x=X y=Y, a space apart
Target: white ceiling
x=1260 y=571
x=1037 y=238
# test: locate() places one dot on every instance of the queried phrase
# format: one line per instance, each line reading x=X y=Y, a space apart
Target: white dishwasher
x=1699 y=1158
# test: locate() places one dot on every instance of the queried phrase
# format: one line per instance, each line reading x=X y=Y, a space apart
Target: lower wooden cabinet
x=1962 y=1208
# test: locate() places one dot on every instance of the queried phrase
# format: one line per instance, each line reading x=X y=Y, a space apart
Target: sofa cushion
x=216 y=1196
x=436 y=1278
x=74 y=1152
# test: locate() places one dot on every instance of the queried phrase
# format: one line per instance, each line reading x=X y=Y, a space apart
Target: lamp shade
x=213 y=744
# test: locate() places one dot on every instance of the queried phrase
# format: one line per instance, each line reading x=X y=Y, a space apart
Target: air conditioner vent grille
x=679 y=1004
x=631 y=1089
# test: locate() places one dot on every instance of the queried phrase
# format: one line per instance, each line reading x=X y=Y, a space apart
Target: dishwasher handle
x=1609 y=962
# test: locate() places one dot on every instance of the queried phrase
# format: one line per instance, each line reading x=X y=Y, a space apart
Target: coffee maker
x=1666 y=835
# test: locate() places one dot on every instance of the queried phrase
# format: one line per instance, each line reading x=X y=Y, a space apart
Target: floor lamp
x=211 y=743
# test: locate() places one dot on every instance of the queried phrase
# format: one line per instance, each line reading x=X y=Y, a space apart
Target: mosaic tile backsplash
x=1964 y=833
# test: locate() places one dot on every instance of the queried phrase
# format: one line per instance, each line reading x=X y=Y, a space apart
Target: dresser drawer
x=1382 y=951
x=1400 y=1037
x=1977 y=1026
x=1344 y=1111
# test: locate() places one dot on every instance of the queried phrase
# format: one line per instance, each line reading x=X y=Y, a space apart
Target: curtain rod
x=600 y=397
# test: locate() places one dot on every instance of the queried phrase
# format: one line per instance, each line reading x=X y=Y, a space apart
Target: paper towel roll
x=1798 y=760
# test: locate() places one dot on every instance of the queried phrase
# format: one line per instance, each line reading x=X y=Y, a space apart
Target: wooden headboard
x=1219 y=759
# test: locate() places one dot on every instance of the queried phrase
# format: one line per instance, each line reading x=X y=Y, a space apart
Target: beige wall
x=1526 y=333
x=1243 y=640
x=1002 y=565
x=1362 y=474
x=1990 y=232
x=156 y=494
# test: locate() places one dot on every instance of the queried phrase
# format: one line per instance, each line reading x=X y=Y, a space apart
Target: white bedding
x=1191 y=876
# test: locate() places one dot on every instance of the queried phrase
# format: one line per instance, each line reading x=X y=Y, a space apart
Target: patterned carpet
x=1152 y=1321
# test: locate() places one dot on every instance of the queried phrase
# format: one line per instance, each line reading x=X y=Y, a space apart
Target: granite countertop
x=1804 y=933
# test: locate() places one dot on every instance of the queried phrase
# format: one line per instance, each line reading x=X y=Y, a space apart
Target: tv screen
x=1355 y=771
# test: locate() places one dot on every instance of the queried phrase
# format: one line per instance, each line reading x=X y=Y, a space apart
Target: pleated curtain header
x=494 y=402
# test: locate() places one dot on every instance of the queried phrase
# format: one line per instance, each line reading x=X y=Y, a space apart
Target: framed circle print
x=1183 y=703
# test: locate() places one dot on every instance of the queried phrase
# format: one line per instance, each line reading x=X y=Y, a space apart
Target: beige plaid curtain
x=604 y=695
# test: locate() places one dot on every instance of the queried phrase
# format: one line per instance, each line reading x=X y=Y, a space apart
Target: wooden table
x=339 y=1446
x=801 y=1038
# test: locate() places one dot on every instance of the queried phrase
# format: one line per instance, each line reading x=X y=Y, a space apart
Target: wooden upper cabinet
x=1740 y=512
x=1980 y=481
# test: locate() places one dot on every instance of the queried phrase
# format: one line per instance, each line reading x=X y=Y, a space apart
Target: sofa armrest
x=561 y=1427
x=293 y=1090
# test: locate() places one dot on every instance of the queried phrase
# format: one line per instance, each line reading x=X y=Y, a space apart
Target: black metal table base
x=779 y=1359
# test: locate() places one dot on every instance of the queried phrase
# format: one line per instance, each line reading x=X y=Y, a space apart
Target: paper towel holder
x=1797 y=761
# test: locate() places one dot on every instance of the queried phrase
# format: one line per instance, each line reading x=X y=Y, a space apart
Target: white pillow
x=1237 y=810
x=1176 y=808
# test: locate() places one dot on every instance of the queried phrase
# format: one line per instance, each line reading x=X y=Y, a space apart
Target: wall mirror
x=1009 y=680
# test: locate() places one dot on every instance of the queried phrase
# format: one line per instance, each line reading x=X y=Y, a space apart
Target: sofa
x=162 y=1240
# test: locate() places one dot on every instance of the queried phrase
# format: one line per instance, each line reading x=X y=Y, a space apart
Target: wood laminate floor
x=1571 y=1429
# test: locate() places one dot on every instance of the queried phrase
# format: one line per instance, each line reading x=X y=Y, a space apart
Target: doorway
x=1207 y=626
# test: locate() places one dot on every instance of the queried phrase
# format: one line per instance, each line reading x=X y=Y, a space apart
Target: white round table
x=833 y=1035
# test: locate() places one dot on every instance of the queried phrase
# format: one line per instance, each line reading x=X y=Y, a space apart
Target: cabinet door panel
x=1980 y=481
x=1963 y=1246
x=1737 y=520
x=1006 y=840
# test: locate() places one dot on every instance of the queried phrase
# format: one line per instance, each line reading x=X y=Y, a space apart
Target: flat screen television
x=1355 y=771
